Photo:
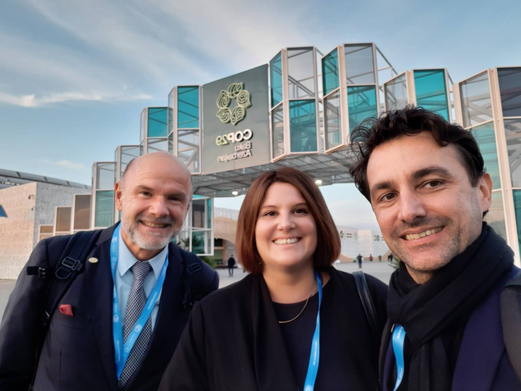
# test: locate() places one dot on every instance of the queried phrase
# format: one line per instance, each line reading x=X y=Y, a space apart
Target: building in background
x=298 y=110
x=36 y=207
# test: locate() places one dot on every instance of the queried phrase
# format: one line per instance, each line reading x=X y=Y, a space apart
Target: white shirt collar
x=127 y=259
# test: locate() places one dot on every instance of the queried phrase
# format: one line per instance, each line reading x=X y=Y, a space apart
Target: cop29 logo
x=242 y=97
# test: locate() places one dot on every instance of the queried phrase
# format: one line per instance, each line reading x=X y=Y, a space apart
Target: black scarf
x=426 y=311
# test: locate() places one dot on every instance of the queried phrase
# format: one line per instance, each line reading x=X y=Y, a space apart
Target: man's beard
x=154 y=242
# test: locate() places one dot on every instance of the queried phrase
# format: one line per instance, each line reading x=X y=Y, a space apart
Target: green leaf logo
x=235 y=92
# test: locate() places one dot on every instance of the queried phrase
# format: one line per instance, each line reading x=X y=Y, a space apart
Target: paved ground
x=379 y=270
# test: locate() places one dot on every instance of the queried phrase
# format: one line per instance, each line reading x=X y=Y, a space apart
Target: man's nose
x=411 y=206
x=158 y=207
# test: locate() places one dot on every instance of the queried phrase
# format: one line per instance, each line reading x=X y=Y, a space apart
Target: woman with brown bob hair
x=295 y=322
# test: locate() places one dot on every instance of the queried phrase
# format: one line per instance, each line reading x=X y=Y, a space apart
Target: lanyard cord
x=398 y=341
x=122 y=350
x=314 y=357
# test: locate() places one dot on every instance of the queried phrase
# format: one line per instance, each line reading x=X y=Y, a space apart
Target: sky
x=75 y=75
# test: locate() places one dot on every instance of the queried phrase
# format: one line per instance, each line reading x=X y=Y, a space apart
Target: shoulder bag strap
x=367 y=303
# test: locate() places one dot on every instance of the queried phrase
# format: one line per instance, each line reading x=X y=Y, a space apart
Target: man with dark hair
x=119 y=322
x=428 y=188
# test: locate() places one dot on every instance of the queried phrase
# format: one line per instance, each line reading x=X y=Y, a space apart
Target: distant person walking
x=231 y=265
x=359 y=259
x=370 y=257
x=390 y=258
x=379 y=258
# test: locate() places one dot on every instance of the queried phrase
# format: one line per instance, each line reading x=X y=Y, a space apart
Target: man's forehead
x=408 y=155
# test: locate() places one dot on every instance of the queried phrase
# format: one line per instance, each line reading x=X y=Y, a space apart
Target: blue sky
x=75 y=75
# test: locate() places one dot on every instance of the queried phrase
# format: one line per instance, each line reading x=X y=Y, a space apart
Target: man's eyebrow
x=380 y=186
x=143 y=188
x=417 y=175
x=432 y=170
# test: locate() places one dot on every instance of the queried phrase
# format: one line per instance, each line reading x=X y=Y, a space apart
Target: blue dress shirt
x=125 y=278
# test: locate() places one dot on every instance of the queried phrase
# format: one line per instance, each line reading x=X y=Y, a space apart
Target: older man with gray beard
x=119 y=322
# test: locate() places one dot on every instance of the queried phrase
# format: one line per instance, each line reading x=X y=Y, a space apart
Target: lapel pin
x=93 y=260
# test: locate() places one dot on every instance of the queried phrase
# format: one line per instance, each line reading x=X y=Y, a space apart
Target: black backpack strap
x=511 y=321
x=70 y=265
x=60 y=278
x=192 y=284
x=367 y=302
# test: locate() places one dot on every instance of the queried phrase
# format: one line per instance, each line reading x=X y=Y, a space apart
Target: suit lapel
x=100 y=286
x=273 y=369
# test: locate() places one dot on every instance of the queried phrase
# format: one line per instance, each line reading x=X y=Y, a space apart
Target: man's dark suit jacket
x=78 y=352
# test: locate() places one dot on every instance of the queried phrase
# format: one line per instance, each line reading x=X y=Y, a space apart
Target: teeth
x=286 y=241
x=422 y=234
x=152 y=225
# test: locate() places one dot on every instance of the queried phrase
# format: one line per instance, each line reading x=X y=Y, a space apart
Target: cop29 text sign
x=235 y=122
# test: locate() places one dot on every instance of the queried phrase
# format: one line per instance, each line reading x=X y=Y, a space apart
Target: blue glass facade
x=303 y=125
x=276 y=79
x=330 y=72
x=361 y=103
x=431 y=91
x=486 y=138
x=188 y=107
x=157 y=122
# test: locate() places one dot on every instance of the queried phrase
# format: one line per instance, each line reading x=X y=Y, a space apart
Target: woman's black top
x=234 y=341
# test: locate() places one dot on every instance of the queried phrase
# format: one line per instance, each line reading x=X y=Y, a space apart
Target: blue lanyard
x=122 y=351
x=398 y=341
x=314 y=357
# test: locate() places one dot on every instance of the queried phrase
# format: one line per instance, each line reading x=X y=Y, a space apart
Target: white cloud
x=33 y=101
x=66 y=164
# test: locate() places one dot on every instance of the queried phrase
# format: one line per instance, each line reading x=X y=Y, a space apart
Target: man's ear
x=485 y=191
x=118 y=195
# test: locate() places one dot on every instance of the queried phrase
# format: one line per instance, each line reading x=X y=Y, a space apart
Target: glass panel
x=198 y=239
x=209 y=212
x=431 y=91
x=359 y=64
x=496 y=216
x=81 y=212
x=188 y=107
x=476 y=105
x=302 y=126
x=104 y=209
x=361 y=104
x=188 y=142
x=157 y=144
x=171 y=143
x=46 y=229
x=485 y=137
x=170 y=117
x=510 y=90
x=517 y=207
x=157 y=126
x=301 y=79
x=142 y=125
x=106 y=175
x=513 y=136
x=129 y=153
x=396 y=93
x=332 y=120
x=63 y=219
x=330 y=68
x=276 y=79
x=198 y=215
x=277 y=122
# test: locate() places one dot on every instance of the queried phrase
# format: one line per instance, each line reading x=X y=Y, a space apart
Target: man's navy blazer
x=78 y=351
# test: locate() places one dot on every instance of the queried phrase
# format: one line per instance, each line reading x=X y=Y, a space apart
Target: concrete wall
x=27 y=207
x=16 y=231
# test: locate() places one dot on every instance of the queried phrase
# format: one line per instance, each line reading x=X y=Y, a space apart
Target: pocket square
x=66 y=309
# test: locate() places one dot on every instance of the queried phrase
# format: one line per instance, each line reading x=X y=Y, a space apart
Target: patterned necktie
x=136 y=303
